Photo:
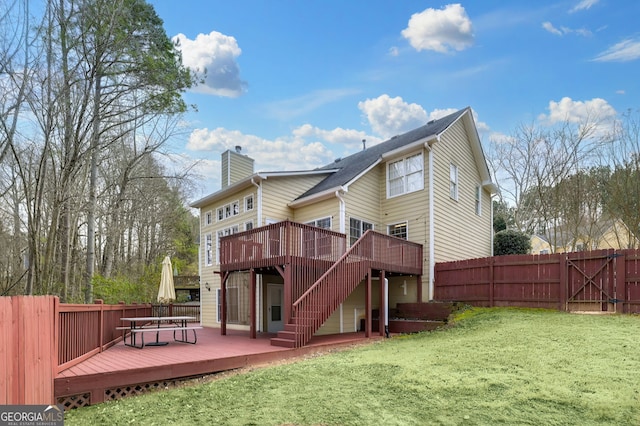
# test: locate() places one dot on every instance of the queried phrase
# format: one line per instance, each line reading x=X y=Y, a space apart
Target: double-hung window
x=453 y=181
x=208 y=249
x=317 y=243
x=357 y=227
x=398 y=230
x=405 y=175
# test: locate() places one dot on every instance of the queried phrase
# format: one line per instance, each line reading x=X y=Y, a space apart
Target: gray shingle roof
x=351 y=166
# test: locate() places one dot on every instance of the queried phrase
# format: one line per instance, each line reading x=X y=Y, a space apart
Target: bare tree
x=532 y=164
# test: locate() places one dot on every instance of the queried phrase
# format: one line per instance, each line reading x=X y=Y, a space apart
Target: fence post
x=562 y=283
x=620 y=278
x=100 y=323
x=491 y=281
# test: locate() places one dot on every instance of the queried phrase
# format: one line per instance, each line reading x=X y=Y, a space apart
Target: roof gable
x=353 y=166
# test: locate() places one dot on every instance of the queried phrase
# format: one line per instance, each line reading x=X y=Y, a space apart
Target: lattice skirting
x=83 y=400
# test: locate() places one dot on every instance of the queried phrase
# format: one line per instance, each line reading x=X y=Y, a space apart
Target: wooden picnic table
x=141 y=325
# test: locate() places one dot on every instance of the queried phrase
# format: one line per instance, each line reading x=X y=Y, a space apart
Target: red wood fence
x=27 y=349
x=603 y=280
x=39 y=337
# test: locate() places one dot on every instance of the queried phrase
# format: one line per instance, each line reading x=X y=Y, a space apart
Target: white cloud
x=626 y=50
x=288 y=153
x=392 y=116
x=565 y=30
x=440 y=30
x=348 y=139
x=216 y=53
x=583 y=5
x=550 y=28
x=393 y=51
x=596 y=113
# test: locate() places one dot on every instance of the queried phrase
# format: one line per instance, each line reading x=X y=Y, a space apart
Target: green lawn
x=494 y=366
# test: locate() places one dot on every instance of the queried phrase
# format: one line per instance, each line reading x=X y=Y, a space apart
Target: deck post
x=288 y=274
x=252 y=311
x=419 y=285
x=223 y=304
x=383 y=306
x=367 y=306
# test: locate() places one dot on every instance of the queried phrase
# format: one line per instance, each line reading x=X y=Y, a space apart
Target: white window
x=248 y=225
x=221 y=233
x=398 y=230
x=453 y=181
x=220 y=214
x=405 y=175
x=357 y=227
x=208 y=218
x=248 y=203
x=208 y=249
x=227 y=211
x=317 y=243
x=235 y=208
x=324 y=223
x=478 y=200
x=219 y=303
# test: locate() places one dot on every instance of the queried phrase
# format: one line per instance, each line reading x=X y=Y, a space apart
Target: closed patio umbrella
x=166 y=291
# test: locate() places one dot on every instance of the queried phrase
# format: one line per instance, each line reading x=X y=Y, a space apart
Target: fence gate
x=591 y=284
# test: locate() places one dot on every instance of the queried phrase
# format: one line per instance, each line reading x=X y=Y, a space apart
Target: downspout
x=342 y=210
x=492 y=230
x=259 y=277
x=432 y=239
x=259 y=200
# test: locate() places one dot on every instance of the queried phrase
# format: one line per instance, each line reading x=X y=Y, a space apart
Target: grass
x=494 y=366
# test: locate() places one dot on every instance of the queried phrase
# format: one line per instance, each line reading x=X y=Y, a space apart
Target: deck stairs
x=317 y=304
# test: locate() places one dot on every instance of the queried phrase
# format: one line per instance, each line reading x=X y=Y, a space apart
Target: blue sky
x=300 y=83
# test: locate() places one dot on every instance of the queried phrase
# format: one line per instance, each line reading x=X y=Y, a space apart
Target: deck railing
x=84 y=330
x=372 y=251
x=275 y=244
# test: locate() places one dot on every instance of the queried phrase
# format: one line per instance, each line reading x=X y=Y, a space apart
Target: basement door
x=275 y=311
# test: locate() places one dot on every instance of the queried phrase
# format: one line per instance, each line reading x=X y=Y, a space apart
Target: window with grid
x=317 y=243
x=248 y=203
x=357 y=227
x=405 y=175
x=398 y=230
x=478 y=200
x=221 y=233
x=208 y=218
x=208 y=250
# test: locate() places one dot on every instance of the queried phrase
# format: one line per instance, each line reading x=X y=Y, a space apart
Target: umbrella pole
x=157 y=342
x=159 y=316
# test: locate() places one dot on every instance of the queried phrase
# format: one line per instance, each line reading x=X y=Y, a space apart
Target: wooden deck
x=110 y=374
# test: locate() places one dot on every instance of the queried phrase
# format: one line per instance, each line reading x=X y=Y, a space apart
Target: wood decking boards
x=122 y=365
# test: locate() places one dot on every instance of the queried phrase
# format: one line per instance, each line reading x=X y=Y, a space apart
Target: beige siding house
x=429 y=186
x=605 y=233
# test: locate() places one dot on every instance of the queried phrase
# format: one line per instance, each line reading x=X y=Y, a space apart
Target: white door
x=275 y=310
